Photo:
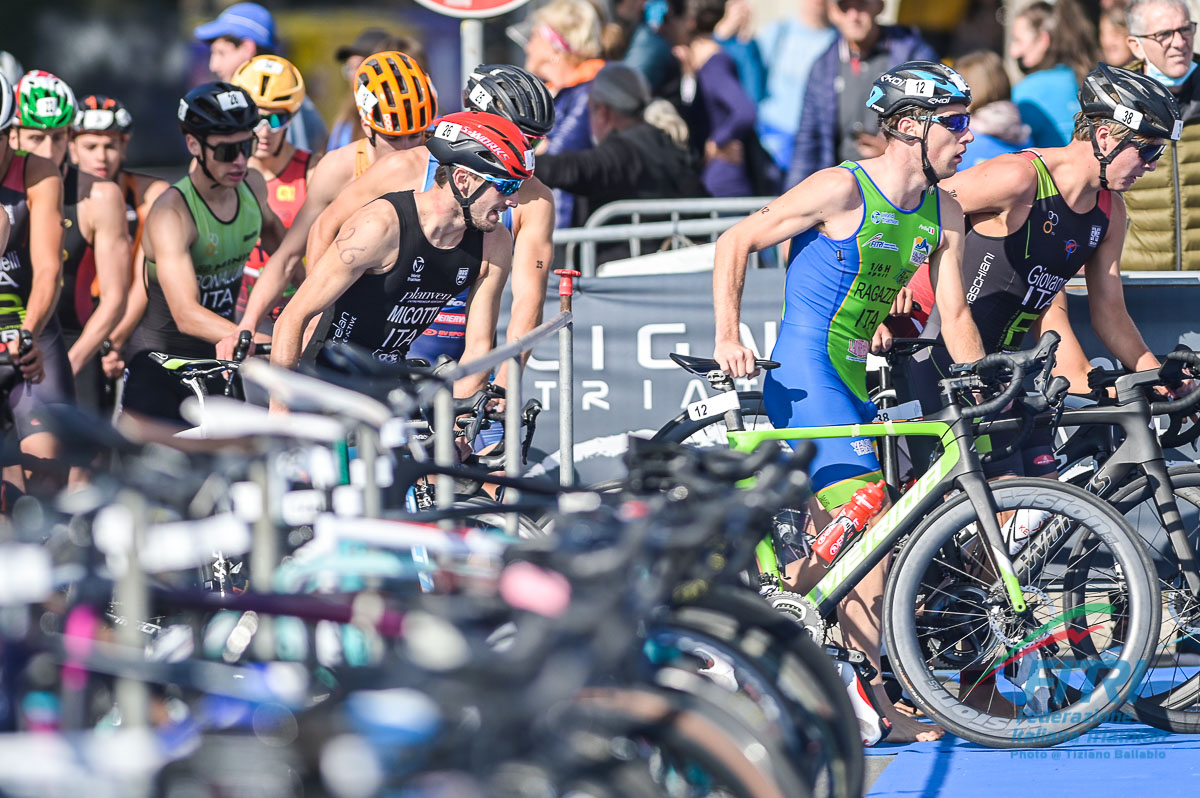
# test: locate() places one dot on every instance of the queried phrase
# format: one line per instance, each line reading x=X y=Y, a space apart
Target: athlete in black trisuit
x=401 y=258
x=1038 y=217
x=31 y=192
x=99 y=142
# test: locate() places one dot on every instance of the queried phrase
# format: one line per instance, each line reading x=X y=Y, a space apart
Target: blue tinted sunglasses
x=274 y=120
x=955 y=123
x=507 y=186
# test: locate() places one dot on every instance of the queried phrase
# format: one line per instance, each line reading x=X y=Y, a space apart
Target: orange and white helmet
x=273 y=82
x=394 y=95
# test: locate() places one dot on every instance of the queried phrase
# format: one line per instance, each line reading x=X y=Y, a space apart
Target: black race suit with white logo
x=16 y=280
x=384 y=313
x=1009 y=282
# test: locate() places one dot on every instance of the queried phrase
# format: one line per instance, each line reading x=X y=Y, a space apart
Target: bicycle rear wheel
x=949 y=624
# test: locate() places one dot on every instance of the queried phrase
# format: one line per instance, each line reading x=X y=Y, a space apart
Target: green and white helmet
x=44 y=101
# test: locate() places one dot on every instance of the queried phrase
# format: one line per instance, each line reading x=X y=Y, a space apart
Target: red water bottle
x=851 y=518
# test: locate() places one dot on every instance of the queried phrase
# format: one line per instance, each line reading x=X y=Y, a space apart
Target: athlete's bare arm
x=532 y=259
x=397 y=171
x=44 y=192
x=811 y=203
x=1001 y=189
x=170 y=232
x=1106 y=296
x=1070 y=360
x=273 y=230
x=332 y=173
x=137 y=299
x=959 y=330
x=5 y=231
x=113 y=251
x=369 y=239
x=483 y=305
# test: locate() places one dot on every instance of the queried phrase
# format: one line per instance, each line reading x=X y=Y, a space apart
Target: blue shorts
x=806 y=391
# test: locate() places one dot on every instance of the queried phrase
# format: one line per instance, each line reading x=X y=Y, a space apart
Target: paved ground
x=1114 y=759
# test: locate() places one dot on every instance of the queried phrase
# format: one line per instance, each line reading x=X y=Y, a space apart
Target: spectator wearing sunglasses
x=1164 y=207
x=1025 y=240
x=198 y=237
x=277 y=89
x=242 y=31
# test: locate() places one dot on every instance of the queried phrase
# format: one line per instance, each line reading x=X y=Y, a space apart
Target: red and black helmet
x=484 y=143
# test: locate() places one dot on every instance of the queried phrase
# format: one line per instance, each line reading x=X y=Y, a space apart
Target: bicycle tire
x=907 y=609
x=785 y=655
x=710 y=431
x=492 y=515
x=683 y=728
x=1175 y=708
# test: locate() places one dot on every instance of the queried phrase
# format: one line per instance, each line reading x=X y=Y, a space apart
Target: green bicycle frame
x=958 y=466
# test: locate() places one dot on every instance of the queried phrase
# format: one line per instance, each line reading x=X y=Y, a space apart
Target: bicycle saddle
x=703 y=365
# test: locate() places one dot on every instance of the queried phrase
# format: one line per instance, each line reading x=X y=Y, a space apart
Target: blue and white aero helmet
x=924 y=84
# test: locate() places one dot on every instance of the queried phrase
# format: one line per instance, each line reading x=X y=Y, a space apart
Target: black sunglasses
x=1147 y=151
x=229 y=151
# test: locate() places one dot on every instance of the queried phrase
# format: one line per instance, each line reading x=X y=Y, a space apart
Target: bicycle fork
x=975 y=486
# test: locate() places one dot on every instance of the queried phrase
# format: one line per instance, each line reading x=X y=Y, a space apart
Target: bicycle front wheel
x=1005 y=679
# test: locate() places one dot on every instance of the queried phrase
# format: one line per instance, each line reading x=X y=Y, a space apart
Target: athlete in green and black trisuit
x=198 y=236
x=1037 y=219
x=858 y=232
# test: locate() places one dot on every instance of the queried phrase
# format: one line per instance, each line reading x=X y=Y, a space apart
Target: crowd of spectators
x=709 y=102
x=695 y=98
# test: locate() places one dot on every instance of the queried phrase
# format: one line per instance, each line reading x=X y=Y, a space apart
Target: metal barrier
x=715 y=216
x=508 y=356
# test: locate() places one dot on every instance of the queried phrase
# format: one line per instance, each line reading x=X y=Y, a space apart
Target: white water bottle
x=1024 y=523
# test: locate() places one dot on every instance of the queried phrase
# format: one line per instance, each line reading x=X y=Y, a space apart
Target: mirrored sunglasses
x=273 y=120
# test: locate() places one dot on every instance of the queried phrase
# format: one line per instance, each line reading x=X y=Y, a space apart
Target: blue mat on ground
x=1112 y=759
x=1157 y=679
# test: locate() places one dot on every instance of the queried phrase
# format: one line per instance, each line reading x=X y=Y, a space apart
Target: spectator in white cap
x=241 y=32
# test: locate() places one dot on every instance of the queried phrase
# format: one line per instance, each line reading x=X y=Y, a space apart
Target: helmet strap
x=202 y=159
x=465 y=202
x=1105 y=160
x=926 y=166
x=279 y=148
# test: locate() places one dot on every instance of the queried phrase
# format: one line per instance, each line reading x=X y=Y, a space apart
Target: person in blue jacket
x=834 y=127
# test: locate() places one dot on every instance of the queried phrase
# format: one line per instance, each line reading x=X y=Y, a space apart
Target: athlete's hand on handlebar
x=882 y=340
x=734 y=359
x=113 y=364
x=227 y=345
x=30 y=362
